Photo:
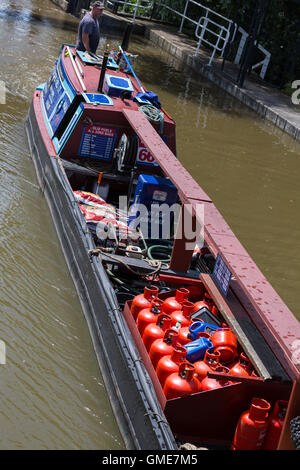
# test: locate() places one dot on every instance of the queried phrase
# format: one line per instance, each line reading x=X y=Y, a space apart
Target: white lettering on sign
x=222 y=274
x=98 y=130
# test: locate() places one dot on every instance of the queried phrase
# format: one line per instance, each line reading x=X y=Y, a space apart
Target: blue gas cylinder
x=196 y=349
x=201 y=327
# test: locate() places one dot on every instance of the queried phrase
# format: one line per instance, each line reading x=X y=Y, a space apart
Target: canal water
x=52 y=395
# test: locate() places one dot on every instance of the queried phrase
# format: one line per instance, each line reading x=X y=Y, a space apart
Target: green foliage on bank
x=277 y=35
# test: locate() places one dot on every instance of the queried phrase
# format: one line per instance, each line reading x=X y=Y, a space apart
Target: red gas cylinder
x=142 y=301
x=225 y=342
x=275 y=425
x=156 y=330
x=252 y=426
x=183 y=315
x=208 y=383
x=182 y=383
x=210 y=362
x=171 y=304
x=148 y=315
x=207 y=302
x=169 y=364
x=242 y=367
x=163 y=347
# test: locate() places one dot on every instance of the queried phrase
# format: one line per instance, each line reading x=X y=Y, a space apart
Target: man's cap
x=98 y=5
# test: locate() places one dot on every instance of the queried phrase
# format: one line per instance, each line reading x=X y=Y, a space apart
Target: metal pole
x=135 y=11
x=76 y=69
x=131 y=69
x=127 y=34
x=233 y=29
x=103 y=70
x=251 y=39
x=184 y=14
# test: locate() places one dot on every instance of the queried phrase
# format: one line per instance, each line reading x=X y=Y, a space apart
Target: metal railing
x=131 y=7
x=212 y=29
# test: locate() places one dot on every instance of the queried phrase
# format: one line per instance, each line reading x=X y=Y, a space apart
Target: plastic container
x=196 y=349
x=201 y=327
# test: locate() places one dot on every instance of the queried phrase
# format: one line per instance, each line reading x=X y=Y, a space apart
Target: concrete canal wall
x=268 y=102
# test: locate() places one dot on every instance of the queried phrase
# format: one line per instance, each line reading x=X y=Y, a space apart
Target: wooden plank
x=186 y=185
x=247 y=334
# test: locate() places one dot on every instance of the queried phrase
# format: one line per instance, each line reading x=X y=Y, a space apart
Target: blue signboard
x=222 y=274
x=57 y=97
x=97 y=142
x=53 y=91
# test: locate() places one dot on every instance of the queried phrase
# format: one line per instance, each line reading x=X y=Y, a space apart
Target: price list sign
x=97 y=142
x=222 y=274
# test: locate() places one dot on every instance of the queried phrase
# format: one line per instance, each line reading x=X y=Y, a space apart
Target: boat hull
x=137 y=411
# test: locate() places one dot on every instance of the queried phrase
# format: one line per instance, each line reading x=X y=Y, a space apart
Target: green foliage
x=278 y=34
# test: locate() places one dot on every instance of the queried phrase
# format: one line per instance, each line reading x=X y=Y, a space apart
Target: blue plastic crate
x=114 y=85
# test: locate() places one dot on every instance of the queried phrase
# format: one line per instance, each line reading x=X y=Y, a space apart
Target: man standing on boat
x=88 y=30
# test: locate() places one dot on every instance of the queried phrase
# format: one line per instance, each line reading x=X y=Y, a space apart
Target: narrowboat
x=194 y=345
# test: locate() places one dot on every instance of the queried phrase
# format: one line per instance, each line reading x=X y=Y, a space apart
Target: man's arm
x=86 y=41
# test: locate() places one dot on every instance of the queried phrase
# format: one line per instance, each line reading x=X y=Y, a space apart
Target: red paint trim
x=41 y=123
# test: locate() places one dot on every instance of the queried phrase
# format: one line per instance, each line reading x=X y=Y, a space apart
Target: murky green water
x=52 y=393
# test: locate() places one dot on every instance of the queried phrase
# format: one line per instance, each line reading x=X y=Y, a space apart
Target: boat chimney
x=103 y=70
